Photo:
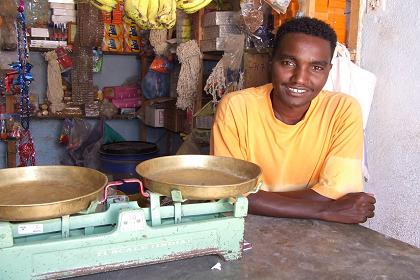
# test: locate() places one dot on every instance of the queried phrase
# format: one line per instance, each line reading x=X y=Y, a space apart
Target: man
x=308 y=142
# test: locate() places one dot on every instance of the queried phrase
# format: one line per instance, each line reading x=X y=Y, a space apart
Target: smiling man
x=308 y=142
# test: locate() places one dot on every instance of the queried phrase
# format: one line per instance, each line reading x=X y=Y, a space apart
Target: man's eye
x=287 y=63
x=318 y=68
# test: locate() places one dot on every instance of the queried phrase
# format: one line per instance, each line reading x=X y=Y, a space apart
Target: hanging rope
x=157 y=39
x=189 y=56
x=216 y=82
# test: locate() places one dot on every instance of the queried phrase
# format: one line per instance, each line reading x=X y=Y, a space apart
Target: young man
x=308 y=142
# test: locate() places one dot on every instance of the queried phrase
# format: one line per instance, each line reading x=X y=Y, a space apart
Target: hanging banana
x=167 y=13
x=194 y=6
x=153 y=14
x=104 y=5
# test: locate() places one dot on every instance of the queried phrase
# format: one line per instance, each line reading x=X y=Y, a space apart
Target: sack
x=348 y=78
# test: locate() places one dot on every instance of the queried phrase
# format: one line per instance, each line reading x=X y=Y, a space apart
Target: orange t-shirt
x=323 y=151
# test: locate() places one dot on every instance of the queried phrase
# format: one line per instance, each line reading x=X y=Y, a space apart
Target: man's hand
x=350 y=209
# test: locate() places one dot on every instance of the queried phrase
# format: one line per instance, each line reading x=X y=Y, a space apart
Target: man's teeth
x=295 y=90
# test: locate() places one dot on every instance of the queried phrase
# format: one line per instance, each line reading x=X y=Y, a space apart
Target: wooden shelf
x=216 y=56
x=32 y=49
x=62 y=117
x=104 y=52
x=120 y=53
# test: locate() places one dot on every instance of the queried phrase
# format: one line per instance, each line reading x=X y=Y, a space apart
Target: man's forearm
x=300 y=204
x=351 y=208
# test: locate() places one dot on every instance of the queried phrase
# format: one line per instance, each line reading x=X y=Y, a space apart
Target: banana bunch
x=152 y=14
x=191 y=6
x=104 y=5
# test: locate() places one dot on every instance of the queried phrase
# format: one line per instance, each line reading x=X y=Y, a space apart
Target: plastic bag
x=232 y=60
x=37 y=13
x=156 y=83
x=280 y=6
x=98 y=60
x=8 y=36
x=252 y=14
x=80 y=131
x=347 y=77
x=65 y=132
x=254 y=24
x=161 y=65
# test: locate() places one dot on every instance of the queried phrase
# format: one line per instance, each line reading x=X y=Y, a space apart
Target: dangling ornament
x=23 y=67
x=26 y=147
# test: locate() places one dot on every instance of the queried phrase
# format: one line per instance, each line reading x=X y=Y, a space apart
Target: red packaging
x=120 y=92
x=127 y=102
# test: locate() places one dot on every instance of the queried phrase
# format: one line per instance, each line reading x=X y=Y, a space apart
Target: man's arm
x=351 y=208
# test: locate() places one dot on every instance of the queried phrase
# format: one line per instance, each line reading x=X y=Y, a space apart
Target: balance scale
x=122 y=235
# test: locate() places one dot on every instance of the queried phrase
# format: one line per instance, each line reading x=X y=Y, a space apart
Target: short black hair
x=309 y=26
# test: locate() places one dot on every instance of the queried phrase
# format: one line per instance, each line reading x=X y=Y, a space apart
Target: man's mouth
x=297 y=92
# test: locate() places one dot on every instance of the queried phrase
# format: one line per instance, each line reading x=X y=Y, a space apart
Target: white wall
x=391 y=50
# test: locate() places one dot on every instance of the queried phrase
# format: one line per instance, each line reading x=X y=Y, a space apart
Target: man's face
x=300 y=69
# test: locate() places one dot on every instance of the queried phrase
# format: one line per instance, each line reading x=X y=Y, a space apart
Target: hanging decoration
x=26 y=149
x=23 y=68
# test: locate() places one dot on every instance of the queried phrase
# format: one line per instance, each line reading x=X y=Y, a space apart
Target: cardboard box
x=203 y=119
x=120 y=92
x=64 y=12
x=216 y=44
x=216 y=31
x=176 y=120
x=154 y=116
x=256 y=69
x=219 y=18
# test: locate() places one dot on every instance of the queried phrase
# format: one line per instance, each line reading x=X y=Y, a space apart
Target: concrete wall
x=391 y=50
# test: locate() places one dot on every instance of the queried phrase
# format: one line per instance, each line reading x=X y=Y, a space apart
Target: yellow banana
x=171 y=23
x=137 y=11
x=182 y=4
x=130 y=9
x=111 y=3
x=164 y=10
x=102 y=6
x=167 y=14
x=152 y=12
x=190 y=8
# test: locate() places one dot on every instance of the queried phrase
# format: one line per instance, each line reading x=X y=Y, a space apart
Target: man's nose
x=300 y=75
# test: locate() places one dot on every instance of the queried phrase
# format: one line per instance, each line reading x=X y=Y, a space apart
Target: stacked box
x=219 y=18
x=211 y=32
x=217 y=26
x=63 y=11
x=123 y=96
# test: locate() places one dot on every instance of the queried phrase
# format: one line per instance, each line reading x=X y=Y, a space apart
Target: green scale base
x=124 y=235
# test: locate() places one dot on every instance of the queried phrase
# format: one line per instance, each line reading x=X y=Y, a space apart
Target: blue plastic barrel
x=119 y=160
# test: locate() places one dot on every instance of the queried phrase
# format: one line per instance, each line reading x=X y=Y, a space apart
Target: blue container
x=119 y=160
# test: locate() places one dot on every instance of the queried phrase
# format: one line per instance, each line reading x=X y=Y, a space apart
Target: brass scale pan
x=44 y=192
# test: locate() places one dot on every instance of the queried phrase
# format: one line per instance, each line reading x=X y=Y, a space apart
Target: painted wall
x=391 y=50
